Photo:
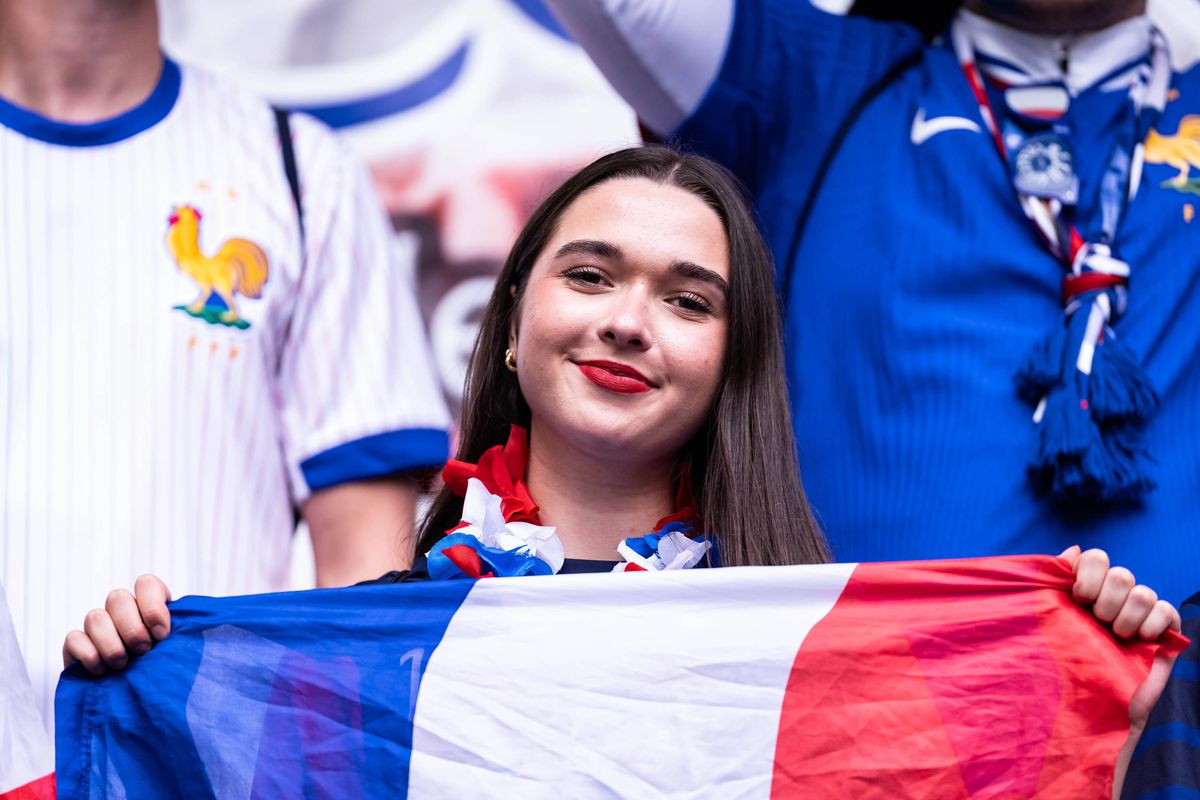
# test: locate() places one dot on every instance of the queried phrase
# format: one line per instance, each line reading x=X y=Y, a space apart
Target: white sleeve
x=1180 y=23
x=358 y=395
x=661 y=55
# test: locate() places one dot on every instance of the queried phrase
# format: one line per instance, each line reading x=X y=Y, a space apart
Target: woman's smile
x=615 y=377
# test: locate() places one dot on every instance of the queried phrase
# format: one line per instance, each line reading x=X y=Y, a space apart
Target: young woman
x=634 y=338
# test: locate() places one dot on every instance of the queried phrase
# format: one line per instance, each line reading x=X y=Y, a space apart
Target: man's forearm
x=361 y=530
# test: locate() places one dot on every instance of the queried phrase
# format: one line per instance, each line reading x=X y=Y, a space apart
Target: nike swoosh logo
x=923 y=128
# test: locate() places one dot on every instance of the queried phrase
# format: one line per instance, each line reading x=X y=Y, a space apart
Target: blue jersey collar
x=145 y=115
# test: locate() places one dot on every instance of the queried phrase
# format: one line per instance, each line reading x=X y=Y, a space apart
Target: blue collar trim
x=141 y=117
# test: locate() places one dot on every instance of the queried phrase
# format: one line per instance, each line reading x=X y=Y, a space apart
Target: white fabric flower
x=484 y=515
x=675 y=551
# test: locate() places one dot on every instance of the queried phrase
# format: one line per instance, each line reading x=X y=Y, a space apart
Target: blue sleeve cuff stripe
x=1169 y=732
x=1186 y=671
x=1171 y=793
x=376 y=457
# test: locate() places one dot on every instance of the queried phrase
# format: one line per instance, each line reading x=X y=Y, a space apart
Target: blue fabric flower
x=647 y=553
x=460 y=555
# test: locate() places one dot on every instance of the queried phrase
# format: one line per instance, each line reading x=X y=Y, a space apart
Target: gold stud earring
x=510 y=360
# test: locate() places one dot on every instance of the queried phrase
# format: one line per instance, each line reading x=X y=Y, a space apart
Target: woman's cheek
x=700 y=358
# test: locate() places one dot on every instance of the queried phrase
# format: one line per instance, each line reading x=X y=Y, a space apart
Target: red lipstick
x=615 y=377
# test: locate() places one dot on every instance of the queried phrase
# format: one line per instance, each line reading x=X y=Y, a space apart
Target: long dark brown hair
x=742 y=461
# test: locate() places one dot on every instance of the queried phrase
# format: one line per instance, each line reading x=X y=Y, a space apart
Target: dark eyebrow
x=696 y=272
x=591 y=247
x=608 y=250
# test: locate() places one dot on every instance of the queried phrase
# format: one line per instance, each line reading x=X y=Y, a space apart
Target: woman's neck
x=595 y=503
x=78 y=60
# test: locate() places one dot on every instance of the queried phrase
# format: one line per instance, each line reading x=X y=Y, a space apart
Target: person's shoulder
x=825 y=30
x=321 y=156
x=311 y=135
x=211 y=92
x=238 y=101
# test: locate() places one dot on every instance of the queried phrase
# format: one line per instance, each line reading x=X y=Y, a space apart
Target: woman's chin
x=631 y=429
x=629 y=440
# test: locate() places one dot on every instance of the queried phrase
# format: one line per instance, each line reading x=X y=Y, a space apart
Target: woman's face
x=620 y=333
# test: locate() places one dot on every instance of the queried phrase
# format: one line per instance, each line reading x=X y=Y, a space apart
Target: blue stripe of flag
x=299 y=694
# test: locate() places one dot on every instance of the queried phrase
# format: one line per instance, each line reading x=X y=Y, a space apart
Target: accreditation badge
x=1044 y=166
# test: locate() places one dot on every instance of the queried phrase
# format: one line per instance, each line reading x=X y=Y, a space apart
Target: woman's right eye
x=588 y=276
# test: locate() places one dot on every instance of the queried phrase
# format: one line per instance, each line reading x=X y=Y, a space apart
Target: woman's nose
x=626 y=325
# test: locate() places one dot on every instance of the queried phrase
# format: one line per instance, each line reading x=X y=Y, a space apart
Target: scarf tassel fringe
x=1090 y=449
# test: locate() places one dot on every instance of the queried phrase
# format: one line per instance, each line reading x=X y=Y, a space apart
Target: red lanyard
x=1148 y=94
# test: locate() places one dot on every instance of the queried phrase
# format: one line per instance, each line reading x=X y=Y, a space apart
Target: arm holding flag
x=127 y=626
x=1133 y=610
x=1168 y=755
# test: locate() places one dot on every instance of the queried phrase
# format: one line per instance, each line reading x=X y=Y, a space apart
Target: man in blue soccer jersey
x=988 y=251
x=182 y=363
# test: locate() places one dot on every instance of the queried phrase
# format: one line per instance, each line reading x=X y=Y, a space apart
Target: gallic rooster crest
x=1181 y=151
x=238 y=267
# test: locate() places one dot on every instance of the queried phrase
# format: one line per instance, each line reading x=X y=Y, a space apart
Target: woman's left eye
x=692 y=303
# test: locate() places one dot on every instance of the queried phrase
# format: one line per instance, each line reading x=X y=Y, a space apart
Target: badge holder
x=1044 y=166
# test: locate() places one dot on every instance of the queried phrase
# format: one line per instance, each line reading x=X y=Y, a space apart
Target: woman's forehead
x=644 y=219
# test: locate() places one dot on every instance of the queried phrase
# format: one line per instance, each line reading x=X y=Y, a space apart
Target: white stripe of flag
x=26 y=758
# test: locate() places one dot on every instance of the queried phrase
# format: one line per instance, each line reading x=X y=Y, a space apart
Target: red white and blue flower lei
x=501 y=536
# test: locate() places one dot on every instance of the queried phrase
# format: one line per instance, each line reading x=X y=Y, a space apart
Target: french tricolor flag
x=26 y=760
x=954 y=679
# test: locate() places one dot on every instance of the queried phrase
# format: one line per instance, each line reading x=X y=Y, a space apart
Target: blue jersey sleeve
x=790 y=76
x=1166 y=763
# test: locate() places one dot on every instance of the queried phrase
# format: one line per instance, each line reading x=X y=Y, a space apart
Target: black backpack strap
x=289 y=165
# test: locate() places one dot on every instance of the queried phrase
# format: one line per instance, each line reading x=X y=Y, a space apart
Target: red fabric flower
x=467 y=560
x=501 y=469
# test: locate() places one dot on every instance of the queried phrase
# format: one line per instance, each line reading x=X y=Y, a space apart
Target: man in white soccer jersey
x=182 y=363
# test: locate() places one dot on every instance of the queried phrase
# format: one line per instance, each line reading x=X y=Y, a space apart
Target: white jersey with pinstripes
x=140 y=435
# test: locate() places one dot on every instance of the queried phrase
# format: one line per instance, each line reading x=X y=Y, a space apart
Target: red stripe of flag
x=41 y=789
x=984 y=681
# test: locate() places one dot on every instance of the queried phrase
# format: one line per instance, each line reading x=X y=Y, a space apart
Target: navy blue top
x=1166 y=764
x=420 y=571
x=919 y=288
x=571 y=566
